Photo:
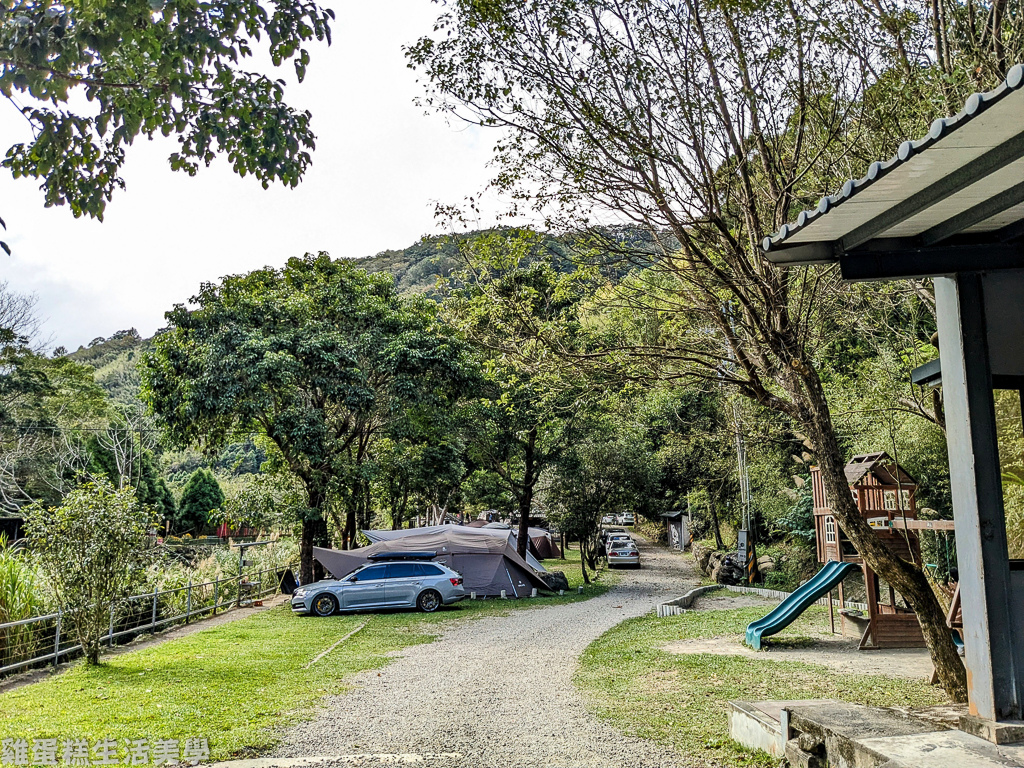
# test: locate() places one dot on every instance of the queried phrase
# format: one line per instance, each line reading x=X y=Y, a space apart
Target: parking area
x=516 y=670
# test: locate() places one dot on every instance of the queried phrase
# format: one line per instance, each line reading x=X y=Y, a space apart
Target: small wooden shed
x=885 y=494
x=677 y=529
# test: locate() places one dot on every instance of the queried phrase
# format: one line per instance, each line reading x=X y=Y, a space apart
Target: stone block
x=1006 y=732
x=799 y=759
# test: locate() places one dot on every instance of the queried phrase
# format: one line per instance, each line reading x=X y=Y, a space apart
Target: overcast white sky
x=379 y=165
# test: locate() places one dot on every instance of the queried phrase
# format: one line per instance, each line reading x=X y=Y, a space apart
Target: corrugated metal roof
x=881 y=464
x=965 y=176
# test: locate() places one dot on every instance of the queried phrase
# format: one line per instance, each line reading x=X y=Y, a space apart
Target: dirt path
x=496 y=692
x=838 y=654
x=833 y=651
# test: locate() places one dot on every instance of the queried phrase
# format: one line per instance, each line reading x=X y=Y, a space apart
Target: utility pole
x=745 y=545
x=741 y=461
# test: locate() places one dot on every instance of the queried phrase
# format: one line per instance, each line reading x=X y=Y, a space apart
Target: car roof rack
x=377 y=556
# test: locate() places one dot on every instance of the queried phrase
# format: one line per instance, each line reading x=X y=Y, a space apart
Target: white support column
x=995 y=668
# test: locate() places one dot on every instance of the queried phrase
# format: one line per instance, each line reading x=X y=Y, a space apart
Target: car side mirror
x=353 y=579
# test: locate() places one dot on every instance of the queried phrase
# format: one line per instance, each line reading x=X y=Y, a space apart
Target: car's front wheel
x=325 y=604
x=428 y=601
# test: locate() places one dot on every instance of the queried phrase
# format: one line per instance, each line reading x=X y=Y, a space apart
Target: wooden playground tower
x=886 y=497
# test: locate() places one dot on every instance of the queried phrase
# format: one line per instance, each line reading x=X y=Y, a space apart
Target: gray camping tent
x=501 y=532
x=542 y=545
x=488 y=564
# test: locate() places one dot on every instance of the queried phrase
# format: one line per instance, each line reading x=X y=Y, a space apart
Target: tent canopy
x=488 y=563
x=462 y=531
x=543 y=545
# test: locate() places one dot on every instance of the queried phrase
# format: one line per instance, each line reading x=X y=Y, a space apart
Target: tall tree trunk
x=314 y=534
x=583 y=563
x=365 y=513
x=592 y=553
x=349 y=537
x=398 y=510
x=906 y=578
x=937 y=35
x=526 y=497
x=719 y=544
x=360 y=507
x=998 y=8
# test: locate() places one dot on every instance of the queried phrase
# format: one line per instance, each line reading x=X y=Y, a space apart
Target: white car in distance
x=623 y=552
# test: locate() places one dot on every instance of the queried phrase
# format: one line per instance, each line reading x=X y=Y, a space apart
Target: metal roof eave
x=873 y=216
x=805 y=253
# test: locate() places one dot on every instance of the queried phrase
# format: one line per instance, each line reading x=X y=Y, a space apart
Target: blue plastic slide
x=823 y=582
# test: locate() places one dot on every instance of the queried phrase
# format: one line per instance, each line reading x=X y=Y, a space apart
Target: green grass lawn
x=570 y=566
x=236 y=684
x=682 y=700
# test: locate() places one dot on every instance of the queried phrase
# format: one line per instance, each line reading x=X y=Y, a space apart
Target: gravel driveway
x=495 y=692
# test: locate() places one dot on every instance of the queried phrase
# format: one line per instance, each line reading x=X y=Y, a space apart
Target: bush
x=798 y=521
x=93 y=549
x=794 y=564
x=1013 y=500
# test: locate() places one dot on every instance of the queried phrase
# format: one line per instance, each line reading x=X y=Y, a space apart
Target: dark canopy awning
x=951 y=201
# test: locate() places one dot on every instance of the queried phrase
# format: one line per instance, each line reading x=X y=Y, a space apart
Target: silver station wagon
x=397 y=584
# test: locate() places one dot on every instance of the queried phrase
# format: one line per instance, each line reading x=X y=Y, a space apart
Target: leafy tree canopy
x=147 y=67
x=716 y=123
x=41 y=400
x=318 y=357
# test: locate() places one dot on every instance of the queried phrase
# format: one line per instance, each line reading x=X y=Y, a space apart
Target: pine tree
x=202 y=495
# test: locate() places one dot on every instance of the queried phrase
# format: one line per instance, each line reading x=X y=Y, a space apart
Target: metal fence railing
x=48 y=639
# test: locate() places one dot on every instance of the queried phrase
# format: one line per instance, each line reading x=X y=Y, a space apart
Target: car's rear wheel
x=325 y=604
x=429 y=601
